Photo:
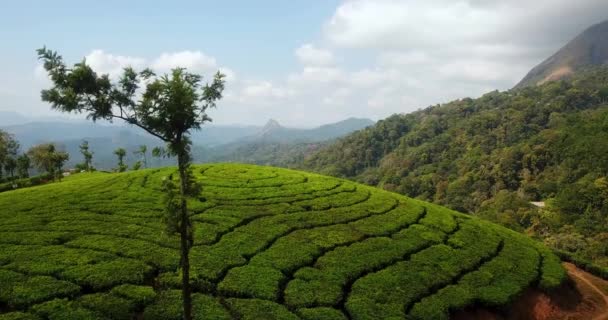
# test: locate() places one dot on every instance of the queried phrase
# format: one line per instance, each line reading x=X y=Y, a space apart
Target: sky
x=301 y=62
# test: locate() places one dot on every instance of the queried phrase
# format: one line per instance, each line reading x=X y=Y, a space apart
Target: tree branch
x=130 y=121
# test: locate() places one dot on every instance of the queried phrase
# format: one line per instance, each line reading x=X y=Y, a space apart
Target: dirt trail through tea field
x=584 y=298
x=594 y=285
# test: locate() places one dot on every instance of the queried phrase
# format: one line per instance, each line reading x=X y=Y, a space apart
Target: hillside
x=590 y=48
x=276 y=145
x=269 y=244
x=282 y=154
x=494 y=155
x=275 y=132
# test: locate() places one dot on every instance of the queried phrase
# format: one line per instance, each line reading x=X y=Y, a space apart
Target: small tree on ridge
x=47 y=158
x=120 y=153
x=169 y=108
x=23 y=166
x=88 y=155
x=142 y=152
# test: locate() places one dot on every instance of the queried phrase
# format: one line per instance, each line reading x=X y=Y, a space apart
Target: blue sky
x=253 y=36
x=303 y=63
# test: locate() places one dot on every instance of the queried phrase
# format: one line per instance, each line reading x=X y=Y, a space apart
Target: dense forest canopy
x=494 y=155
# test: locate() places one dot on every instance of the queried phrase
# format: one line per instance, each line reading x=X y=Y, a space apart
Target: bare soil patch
x=585 y=297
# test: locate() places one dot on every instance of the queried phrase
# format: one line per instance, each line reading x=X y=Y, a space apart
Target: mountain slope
x=492 y=156
x=587 y=49
x=269 y=243
x=274 y=132
x=276 y=145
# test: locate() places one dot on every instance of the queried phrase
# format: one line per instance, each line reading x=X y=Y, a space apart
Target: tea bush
x=269 y=244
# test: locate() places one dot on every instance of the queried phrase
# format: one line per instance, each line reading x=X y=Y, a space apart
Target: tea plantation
x=269 y=244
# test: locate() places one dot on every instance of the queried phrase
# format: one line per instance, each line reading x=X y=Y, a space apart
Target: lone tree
x=142 y=152
x=136 y=165
x=88 y=156
x=8 y=152
x=23 y=166
x=47 y=158
x=170 y=107
x=10 y=164
x=120 y=153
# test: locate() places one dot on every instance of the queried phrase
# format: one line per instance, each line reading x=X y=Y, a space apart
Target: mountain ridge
x=589 y=48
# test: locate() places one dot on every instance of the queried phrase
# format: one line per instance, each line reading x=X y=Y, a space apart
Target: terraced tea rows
x=269 y=244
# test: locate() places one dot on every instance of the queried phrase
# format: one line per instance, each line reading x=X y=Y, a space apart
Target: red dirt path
x=584 y=298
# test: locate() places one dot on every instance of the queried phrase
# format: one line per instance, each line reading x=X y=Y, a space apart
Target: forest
x=496 y=155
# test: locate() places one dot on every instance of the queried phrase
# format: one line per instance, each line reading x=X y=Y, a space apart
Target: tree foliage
x=168 y=108
x=8 y=153
x=23 y=166
x=47 y=158
x=491 y=156
x=87 y=155
x=120 y=154
x=142 y=152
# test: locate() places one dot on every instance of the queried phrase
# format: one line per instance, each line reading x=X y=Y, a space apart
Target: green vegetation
x=47 y=158
x=87 y=164
x=8 y=154
x=169 y=108
x=268 y=153
x=494 y=155
x=269 y=243
x=25 y=182
x=120 y=154
x=142 y=151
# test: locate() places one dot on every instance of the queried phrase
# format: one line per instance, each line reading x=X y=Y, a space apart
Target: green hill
x=494 y=155
x=269 y=244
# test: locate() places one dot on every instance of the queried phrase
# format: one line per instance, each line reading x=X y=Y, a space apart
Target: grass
x=269 y=244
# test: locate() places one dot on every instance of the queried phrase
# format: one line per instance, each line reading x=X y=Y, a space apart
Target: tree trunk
x=182 y=164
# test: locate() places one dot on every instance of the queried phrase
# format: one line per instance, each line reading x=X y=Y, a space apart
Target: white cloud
x=377 y=57
x=407 y=25
x=338 y=98
x=309 y=55
x=369 y=78
x=406 y=58
x=113 y=65
x=195 y=61
x=264 y=89
x=313 y=77
x=481 y=71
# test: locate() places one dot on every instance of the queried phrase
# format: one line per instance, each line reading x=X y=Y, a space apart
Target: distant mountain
x=275 y=132
x=215 y=135
x=40 y=132
x=587 y=49
x=271 y=128
x=281 y=146
x=43 y=131
x=271 y=144
x=9 y=118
